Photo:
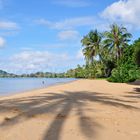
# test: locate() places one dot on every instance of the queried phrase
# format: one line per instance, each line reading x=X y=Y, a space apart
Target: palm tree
x=88 y=55
x=116 y=40
x=92 y=44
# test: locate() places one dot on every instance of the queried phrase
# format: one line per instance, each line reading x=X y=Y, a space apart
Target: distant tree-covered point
x=4 y=74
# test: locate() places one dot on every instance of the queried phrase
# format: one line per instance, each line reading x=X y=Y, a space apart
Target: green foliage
x=127 y=70
x=108 y=66
x=125 y=73
x=127 y=57
x=137 y=52
x=79 y=72
x=121 y=65
x=117 y=59
x=91 y=71
x=108 y=46
x=137 y=56
x=116 y=40
x=91 y=43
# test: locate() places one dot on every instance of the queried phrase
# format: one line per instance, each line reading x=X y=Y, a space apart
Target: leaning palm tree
x=116 y=40
x=92 y=44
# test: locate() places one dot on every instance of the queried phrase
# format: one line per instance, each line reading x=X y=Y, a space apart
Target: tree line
x=109 y=55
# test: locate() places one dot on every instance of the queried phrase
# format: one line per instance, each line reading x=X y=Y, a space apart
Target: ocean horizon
x=10 y=86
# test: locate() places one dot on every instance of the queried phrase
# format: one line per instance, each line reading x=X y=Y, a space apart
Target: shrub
x=137 y=55
x=125 y=73
x=126 y=70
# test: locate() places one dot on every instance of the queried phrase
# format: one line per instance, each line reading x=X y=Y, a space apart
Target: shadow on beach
x=61 y=106
x=135 y=94
x=137 y=83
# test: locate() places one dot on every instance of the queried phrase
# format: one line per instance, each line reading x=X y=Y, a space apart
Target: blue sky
x=44 y=35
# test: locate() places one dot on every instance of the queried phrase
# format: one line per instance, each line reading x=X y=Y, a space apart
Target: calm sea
x=10 y=86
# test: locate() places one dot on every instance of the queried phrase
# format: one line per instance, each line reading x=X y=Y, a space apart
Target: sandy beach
x=80 y=110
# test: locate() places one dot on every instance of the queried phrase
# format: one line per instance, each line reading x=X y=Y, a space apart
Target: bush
x=124 y=74
x=137 y=55
x=126 y=70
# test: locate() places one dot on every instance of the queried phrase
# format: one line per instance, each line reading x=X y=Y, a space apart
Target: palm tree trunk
x=92 y=60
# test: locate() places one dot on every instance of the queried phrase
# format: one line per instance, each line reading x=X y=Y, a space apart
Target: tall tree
x=92 y=44
x=116 y=39
x=137 y=52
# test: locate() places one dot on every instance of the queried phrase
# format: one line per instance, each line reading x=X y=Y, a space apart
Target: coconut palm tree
x=92 y=44
x=116 y=39
x=88 y=55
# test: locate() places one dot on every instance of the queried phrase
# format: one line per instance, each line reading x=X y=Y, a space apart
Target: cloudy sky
x=44 y=35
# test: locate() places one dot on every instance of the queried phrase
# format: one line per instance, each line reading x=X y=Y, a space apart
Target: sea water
x=10 y=86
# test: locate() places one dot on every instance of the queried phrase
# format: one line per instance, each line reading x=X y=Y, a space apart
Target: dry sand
x=80 y=110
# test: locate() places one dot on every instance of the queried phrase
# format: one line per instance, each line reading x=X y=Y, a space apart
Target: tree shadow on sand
x=137 y=90
x=137 y=83
x=135 y=94
x=61 y=106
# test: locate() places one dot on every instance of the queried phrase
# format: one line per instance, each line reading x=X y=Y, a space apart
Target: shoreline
x=36 y=89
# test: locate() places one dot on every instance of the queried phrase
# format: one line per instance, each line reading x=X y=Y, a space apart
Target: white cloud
x=124 y=11
x=74 y=23
x=68 y=35
x=8 y=25
x=2 y=42
x=32 y=61
x=72 y=3
x=67 y=24
x=32 y=58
